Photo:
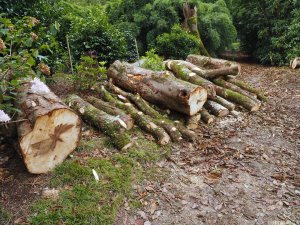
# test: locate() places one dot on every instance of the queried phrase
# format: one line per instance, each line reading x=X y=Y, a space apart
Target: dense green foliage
x=269 y=29
x=152 y=61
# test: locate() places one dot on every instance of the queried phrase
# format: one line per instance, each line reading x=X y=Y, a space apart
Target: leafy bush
x=269 y=29
x=178 y=44
x=89 y=71
x=152 y=61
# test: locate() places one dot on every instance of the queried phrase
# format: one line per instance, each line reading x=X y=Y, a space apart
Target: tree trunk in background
x=50 y=132
x=110 y=125
x=191 y=25
x=161 y=88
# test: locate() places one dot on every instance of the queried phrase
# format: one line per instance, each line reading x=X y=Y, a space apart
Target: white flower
x=4 y=117
x=39 y=87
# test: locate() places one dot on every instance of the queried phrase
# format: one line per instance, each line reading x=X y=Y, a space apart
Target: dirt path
x=243 y=171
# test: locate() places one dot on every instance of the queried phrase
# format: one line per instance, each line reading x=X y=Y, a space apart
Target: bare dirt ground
x=242 y=171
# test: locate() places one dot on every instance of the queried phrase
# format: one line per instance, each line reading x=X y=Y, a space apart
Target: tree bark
x=49 y=130
x=192 y=122
x=206 y=117
x=216 y=109
x=295 y=63
x=142 y=120
x=214 y=67
x=247 y=87
x=191 y=25
x=222 y=101
x=161 y=88
x=109 y=109
x=182 y=71
x=110 y=125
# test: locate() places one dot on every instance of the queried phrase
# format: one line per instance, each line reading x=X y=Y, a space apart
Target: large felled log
x=142 y=120
x=214 y=67
x=247 y=87
x=110 y=125
x=206 y=117
x=216 y=109
x=50 y=130
x=295 y=63
x=110 y=109
x=182 y=71
x=161 y=88
x=148 y=110
x=222 y=101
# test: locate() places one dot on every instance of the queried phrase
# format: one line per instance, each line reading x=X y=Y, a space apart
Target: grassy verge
x=82 y=199
x=5 y=217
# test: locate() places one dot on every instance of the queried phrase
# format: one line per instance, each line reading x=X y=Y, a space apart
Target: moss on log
x=108 y=124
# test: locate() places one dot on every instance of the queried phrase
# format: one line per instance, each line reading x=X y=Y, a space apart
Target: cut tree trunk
x=110 y=125
x=50 y=132
x=191 y=25
x=206 y=117
x=161 y=88
x=144 y=106
x=235 y=88
x=214 y=67
x=222 y=101
x=142 y=120
x=183 y=72
x=109 y=109
x=295 y=63
x=216 y=109
x=193 y=121
x=247 y=87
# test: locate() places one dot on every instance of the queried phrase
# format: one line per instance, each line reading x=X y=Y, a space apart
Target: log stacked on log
x=218 y=77
x=49 y=130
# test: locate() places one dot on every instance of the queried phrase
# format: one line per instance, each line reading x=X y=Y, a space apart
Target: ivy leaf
x=30 y=62
x=28 y=42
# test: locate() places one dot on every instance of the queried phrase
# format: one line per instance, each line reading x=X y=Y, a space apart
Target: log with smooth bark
x=247 y=87
x=295 y=63
x=142 y=120
x=167 y=124
x=216 y=109
x=214 y=67
x=110 y=109
x=183 y=72
x=49 y=130
x=110 y=125
x=193 y=121
x=161 y=88
x=207 y=117
x=227 y=104
x=235 y=88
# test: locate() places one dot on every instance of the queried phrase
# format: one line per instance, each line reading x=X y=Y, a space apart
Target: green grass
x=5 y=217
x=82 y=200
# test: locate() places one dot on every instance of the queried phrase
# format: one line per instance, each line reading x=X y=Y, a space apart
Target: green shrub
x=178 y=44
x=152 y=61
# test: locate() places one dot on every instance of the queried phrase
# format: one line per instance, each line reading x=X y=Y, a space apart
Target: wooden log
x=247 y=87
x=235 y=88
x=142 y=120
x=112 y=110
x=49 y=130
x=161 y=88
x=166 y=123
x=227 y=104
x=192 y=122
x=295 y=63
x=214 y=67
x=110 y=125
x=183 y=72
x=216 y=109
x=207 y=117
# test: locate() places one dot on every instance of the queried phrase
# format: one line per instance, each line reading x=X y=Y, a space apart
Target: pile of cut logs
x=200 y=87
